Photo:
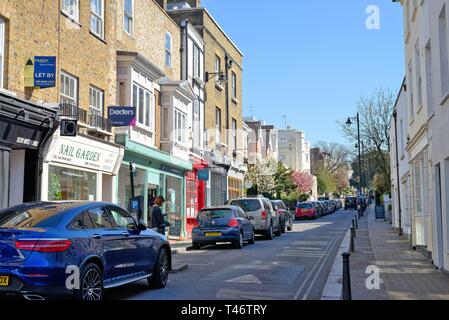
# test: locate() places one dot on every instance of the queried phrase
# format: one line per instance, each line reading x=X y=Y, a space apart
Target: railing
x=83 y=116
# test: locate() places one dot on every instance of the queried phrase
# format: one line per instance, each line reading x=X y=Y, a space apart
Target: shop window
x=173 y=194
x=4 y=178
x=69 y=89
x=2 y=51
x=71 y=184
x=124 y=185
x=97 y=17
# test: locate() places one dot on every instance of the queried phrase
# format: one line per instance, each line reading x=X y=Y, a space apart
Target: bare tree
x=375 y=115
x=334 y=155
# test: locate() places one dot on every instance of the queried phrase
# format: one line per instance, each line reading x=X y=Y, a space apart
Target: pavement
x=294 y=266
x=404 y=274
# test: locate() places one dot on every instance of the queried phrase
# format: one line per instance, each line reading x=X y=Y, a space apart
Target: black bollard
x=353 y=223
x=351 y=242
x=346 y=277
x=356 y=221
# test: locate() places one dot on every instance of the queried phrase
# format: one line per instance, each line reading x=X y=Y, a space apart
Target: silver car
x=266 y=220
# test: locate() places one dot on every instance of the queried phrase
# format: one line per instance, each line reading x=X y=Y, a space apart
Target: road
x=293 y=266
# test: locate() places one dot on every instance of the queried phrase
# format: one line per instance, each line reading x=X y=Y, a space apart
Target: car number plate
x=213 y=234
x=4 y=281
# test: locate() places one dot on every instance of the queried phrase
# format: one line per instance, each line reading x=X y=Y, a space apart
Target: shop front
x=24 y=130
x=235 y=183
x=80 y=168
x=156 y=173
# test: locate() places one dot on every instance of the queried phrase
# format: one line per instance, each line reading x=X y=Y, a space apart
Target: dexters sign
x=122 y=116
x=44 y=72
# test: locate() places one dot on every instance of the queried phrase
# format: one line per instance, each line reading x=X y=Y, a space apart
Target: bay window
x=180 y=126
x=142 y=101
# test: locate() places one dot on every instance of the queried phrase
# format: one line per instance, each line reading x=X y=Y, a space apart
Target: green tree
x=326 y=181
x=283 y=181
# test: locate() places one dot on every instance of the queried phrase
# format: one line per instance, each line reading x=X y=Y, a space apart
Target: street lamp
x=359 y=145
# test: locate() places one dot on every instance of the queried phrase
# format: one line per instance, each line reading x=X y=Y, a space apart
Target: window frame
x=180 y=127
x=111 y=218
x=76 y=15
x=148 y=114
x=130 y=16
x=168 y=51
x=233 y=85
x=101 y=108
x=234 y=133
x=196 y=61
x=217 y=67
x=127 y=215
x=218 y=122
x=2 y=51
x=75 y=89
x=96 y=16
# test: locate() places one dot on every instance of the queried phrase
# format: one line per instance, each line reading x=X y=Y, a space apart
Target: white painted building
x=293 y=149
x=400 y=163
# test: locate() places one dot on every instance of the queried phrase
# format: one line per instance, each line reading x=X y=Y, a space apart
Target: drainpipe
x=395 y=116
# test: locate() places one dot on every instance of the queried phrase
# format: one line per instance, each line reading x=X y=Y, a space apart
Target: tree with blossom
x=303 y=180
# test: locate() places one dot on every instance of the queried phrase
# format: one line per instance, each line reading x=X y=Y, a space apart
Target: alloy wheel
x=163 y=266
x=92 y=287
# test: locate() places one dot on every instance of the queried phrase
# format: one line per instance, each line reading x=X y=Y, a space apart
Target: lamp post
x=359 y=146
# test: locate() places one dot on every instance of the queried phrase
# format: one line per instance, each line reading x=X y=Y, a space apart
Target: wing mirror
x=141 y=226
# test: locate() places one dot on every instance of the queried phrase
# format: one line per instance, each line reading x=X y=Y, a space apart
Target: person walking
x=157 y=218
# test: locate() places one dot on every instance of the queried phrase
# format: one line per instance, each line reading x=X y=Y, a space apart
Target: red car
x=305 y=210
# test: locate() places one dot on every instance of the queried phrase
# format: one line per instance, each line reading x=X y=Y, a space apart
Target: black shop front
x=25 y=128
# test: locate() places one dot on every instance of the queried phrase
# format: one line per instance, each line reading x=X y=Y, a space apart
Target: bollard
x=356 y=221
x=351 y=243
x=353 y=223
x=346 y=277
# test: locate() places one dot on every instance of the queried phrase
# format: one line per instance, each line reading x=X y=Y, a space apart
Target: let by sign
x=40 y=72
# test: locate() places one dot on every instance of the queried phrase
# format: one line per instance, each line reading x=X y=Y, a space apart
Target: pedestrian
x=157 y=218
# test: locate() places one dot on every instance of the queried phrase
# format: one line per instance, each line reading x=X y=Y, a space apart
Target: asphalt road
x=293 y=266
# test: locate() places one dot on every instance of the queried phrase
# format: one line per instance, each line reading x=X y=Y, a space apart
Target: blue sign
x=122 y=116
x=44 y=72
x=203 y=174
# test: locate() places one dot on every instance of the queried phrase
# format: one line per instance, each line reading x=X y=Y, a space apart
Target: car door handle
x=125 y=234
x=96 y=236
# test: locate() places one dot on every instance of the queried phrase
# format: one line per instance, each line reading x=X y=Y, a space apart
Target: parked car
x=305 y=210
x=265 y=218
x=324 y=208
x=350 y=203
x=41 y=241
x=321 y=211
x=285 y=216
x=223 y=224
x=329 y=206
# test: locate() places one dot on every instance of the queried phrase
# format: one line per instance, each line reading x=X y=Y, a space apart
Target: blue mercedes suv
x=77 y=249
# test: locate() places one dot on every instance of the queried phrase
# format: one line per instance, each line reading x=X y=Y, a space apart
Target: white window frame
x=234 y=134
x=217 y=125
x=196 y=62
x=130 y=16
x=99 y=95
x=2 y=51
x=180 y=119
x=217 y=67
x=97 y=16
x=65 y=96
x=444 y=61
x=148 y=107
x=168 y=51
x=66 y=7
x=410 y=89
x=419 y=92
x=234 y=85
x=196 y=122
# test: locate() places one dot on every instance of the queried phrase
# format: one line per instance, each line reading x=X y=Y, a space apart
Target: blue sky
x=312 y=60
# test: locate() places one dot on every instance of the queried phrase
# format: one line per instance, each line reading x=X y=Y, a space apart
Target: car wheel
x=196 y=245
x=239 y=243
x=160 y=273
x=278 y=232
x=91 y=284
x=253 y=238
x=269 y=234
